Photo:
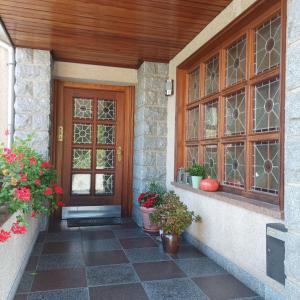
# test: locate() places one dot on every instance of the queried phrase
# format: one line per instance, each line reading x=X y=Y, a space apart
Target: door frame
x=58 y=120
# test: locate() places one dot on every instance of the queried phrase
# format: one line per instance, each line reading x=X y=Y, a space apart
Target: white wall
x=236 y=233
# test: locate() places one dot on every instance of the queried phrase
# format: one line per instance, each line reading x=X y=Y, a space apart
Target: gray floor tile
x=196 y=267
x=146 y=254
x=129 y=233
x=102 y=275
x=67 y=294
x=101 y=245
x=37 y=249
x=26 y=282
x=173 y=289
x=188 y=251
x=63 y=236
x=20 y=297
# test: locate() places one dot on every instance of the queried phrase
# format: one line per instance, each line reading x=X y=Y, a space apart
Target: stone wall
x=150 y=137
x=292 y=152
x=3 y=94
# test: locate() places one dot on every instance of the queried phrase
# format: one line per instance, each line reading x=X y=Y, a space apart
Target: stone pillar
x=150 y=137
x=32 y=97
x=292 y=153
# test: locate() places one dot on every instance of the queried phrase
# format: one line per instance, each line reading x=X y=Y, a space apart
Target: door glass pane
x=234 y=165
x=266 y=167
x=267 y=48
x=82 y=133
x=212 y=76
x=82 y=158
x=83 y=108
x=194 y=85
x=210 y=160
x=191 y=155
x=236 y=63
x=104 y=184
x=266 y=106
x=105 y=134
x=105 y=158
x=193 y=124
x=106 y=110
x=211 y=120
x=81 y=184
x=235 y=114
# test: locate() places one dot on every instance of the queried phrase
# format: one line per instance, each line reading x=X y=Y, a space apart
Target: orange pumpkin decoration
x=209 y=185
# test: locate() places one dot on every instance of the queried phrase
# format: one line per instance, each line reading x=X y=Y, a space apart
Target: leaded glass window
x=82 y=158
x=104 y=184
x=211 y=120
x=81 y=184
x=106 y=110
x=105 y=159
x=82 y=133
x=105 y=134
x=191 y=155
x=82 y=108
x=194 y=85
x=193 y=124
x=211 y=160
x=212 y=76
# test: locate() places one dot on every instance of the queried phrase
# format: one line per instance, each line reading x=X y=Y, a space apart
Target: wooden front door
x=95 y=150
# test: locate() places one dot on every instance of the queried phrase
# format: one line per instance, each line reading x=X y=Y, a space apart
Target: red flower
x=45 y=165
x=18 y=229
x=23 y=177
x=60 y=203
x=57 y=189
x=10 y=157
x=48 y=191
x=140 y=198
x=32 y=161
x=23 y=193
x=4 y=235
x=37 y=182
x=33 y=214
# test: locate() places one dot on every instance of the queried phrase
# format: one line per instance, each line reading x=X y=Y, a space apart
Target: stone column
x=150 y=138
x=292 y=153
x=32 y=97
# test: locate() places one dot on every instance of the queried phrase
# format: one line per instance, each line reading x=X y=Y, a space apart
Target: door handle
x=119 y=154
x=60 y=134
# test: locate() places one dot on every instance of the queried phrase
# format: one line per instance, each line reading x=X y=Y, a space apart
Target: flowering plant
x=28 y=185
x=149 y=199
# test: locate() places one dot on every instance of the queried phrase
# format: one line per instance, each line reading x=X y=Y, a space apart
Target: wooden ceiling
x=120 y=33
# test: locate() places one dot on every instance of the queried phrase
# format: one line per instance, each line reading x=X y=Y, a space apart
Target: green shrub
x=197 y=170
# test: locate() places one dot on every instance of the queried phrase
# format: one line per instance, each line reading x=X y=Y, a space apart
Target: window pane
x=235 y=114
x=106 y=110
x=191 y=155
x=210 y=160
x=105 y=158
x=212 y=76
x=267 y=48
x=211 y=120
x=236 y=63
x=82 y=108
x=82 y=158
x=234 y=165
x=104 y=184
x=194 y=85
x=193 y=123
x=266 y=167
x=105 y=134
x=81 y=184
x=267 y=106
x=82 y=133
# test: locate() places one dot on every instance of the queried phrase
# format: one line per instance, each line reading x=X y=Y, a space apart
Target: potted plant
x=197 y=172
x=173 y=217
x=28 y=186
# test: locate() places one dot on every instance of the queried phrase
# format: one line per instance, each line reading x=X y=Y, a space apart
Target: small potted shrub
x=197 y=173
x=173 y=217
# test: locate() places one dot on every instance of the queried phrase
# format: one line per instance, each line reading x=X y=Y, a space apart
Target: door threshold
x=81 y=212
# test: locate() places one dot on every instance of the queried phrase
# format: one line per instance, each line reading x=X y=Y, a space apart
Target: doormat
x=81 y=222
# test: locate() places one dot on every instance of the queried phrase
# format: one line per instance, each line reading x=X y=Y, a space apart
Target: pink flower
x=18 y=229
x=23 y=177
x=32 y=161
x=45 y=165
x=48 y=191
x=33 y=214
x=57 y=189
x=60 y=203
x=4 y=235
x=23 y=194
x=37 y=182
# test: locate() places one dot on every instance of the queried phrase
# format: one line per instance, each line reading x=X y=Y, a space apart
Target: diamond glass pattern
x=236 y=63
x=106 y=110
x=235 y=114
x=191 y=155
x=211 y=160
x=82 y=158
x=105 y=134
x=81 y=184
x=105 y=159
x=234 y=165
x=194 y=85
x=104 y=184
x=83 y=108
x=267 y=48
x=212 y=76
x=211 y=120
x=82 y=133
x=266 y=106
x=266 y=167
x=193 y=124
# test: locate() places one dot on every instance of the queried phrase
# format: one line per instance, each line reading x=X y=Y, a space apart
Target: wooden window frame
x=245 y=25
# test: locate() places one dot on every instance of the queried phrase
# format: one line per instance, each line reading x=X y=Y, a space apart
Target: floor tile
x=200 y=267
x=63 y=236
x=32 y=263
x=37 y=249
x=67 y=294
x=60 y=261
x=114 y=274
x=62 y=247
x=188 y=251
x=21 y=297
x=61 y=226
x=26 y=282
x=223 y=287
x=138 y=243
x=101 y=245
x=130 y=233
x=105 y=258
x=132 y=291
x=97 y=235
x=175 y=289
x=59 y=279
x=158 y=270
x=41 y=237
x=146 y=254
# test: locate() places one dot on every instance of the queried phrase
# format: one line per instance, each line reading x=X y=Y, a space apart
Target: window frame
x=243 y=26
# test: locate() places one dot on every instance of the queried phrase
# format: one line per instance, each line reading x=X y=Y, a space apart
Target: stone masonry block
x=24 y=55
x=28 y=104
x=23 y=122
x=292 y=291
x=292 y=256
x=41 y=89
x=293 y=67
x=155 y=143
x=41 y=57
x=23 y=88
x=163 y=70
x=155 y=113
x=293 y=26
x=292 y=162
x=40 y=121
x=292 y=205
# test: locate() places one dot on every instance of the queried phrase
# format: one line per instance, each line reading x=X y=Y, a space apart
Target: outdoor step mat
x=81 y=222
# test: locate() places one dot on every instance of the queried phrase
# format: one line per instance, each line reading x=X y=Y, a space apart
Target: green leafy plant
x=197 y=170
x=156 y=188
x=173 y=215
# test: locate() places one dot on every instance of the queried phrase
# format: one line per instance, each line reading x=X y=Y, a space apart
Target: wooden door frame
x=58 y=120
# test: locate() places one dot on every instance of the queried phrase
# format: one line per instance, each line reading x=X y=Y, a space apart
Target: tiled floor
x=121 y=262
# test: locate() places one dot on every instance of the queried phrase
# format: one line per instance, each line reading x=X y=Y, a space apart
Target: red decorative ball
x=209 y=185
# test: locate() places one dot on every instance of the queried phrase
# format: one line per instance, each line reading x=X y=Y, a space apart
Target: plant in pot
x=197 y=172
x=173 y=217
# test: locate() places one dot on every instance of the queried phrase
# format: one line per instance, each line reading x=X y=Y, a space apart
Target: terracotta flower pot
x=148 y=225
x=171 y=243
x=209 y=185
